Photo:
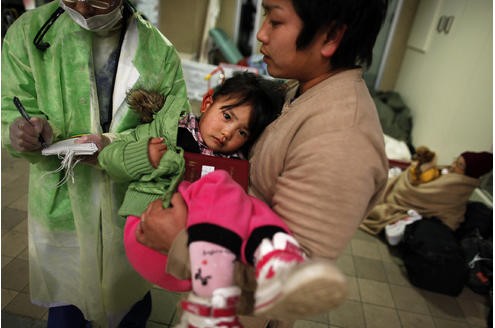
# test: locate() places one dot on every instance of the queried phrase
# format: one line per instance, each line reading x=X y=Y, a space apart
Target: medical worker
x=71 y=63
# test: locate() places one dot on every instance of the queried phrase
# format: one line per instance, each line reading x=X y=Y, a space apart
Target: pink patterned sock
x=212 y=267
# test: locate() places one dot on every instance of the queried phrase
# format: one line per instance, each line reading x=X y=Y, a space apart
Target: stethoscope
x=41 y=33
x=38 y=39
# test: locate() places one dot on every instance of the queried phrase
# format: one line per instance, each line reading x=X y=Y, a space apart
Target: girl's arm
x=156 y=150
x=127 y=157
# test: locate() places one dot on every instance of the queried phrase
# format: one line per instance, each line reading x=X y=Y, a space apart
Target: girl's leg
x=218 y=215
x=289 y=285
x=149 y=263
x=214 y=298
x=220 y=212
x=212 y=267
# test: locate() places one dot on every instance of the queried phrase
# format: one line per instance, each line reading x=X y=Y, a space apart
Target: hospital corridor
x=380 y=295
x=430 y=83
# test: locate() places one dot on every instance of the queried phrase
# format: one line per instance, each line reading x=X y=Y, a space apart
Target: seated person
x=472 y=164
x=424 y=165
x=444 y=197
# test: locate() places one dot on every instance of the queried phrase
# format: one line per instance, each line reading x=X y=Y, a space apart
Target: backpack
x=433 y=257
x=479 y=217
x=479 y=259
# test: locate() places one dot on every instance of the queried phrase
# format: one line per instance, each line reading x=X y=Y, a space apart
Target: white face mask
x=95 y=23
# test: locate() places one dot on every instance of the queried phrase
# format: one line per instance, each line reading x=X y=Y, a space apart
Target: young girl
x=224 y=223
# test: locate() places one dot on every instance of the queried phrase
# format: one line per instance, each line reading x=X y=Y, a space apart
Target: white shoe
x=290 y=286
x=217 y=312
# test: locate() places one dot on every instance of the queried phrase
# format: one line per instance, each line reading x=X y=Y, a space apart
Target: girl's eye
x=226 y=116
x=274 y=23
x=244 y=133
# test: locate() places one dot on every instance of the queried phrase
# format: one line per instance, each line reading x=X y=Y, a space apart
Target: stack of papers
x=69 y=145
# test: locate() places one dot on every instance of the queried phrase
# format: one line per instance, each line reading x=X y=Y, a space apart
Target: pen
x=22 y=110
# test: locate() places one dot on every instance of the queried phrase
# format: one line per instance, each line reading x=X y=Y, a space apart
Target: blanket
x=445 y=198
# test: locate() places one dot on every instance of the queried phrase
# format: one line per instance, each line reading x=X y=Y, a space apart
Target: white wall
x=449 y=88
x=182 y=22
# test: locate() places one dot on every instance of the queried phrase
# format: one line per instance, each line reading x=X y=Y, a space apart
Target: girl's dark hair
x=266 y=97
x=361 y=19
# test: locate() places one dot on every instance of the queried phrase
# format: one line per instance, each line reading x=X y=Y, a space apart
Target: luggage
x=475 y=235
x=479 y=217
x=479 y=259
x=433 y=257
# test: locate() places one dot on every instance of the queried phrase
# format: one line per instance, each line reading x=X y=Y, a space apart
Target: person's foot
x=290 y=286
x=219 y=311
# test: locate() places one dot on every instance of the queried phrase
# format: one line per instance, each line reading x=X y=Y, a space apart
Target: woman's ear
x=207 y=101
x=332 y=42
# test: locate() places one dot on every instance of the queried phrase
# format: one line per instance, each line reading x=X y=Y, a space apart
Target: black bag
x=433 y=257
x=479 y=217
x=478 y=254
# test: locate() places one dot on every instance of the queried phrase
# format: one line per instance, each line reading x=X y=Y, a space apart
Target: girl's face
x=224 y=129
x=278 y=35
x=458 y=166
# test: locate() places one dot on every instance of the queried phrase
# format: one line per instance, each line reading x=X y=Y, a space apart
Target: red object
x=207 y=310
x=243 y=62
x=197 y=164
x=397 y=163
x=482 y=277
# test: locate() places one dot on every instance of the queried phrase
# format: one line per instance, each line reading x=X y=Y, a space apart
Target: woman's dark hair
x=266 y=96
x=361 y=19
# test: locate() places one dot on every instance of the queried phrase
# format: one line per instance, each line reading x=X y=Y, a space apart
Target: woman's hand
x=156 y=150
x=159 y=226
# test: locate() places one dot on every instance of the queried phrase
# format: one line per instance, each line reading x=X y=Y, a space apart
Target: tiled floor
x=380 y=294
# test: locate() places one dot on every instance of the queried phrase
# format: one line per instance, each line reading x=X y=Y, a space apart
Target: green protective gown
x=76 y=255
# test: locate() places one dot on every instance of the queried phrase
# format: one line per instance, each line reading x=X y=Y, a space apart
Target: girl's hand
x=156 y=149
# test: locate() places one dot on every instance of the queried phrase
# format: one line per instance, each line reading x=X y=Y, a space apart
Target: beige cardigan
x=322 y=165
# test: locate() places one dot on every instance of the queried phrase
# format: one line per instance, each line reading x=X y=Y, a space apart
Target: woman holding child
x=321 y=165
